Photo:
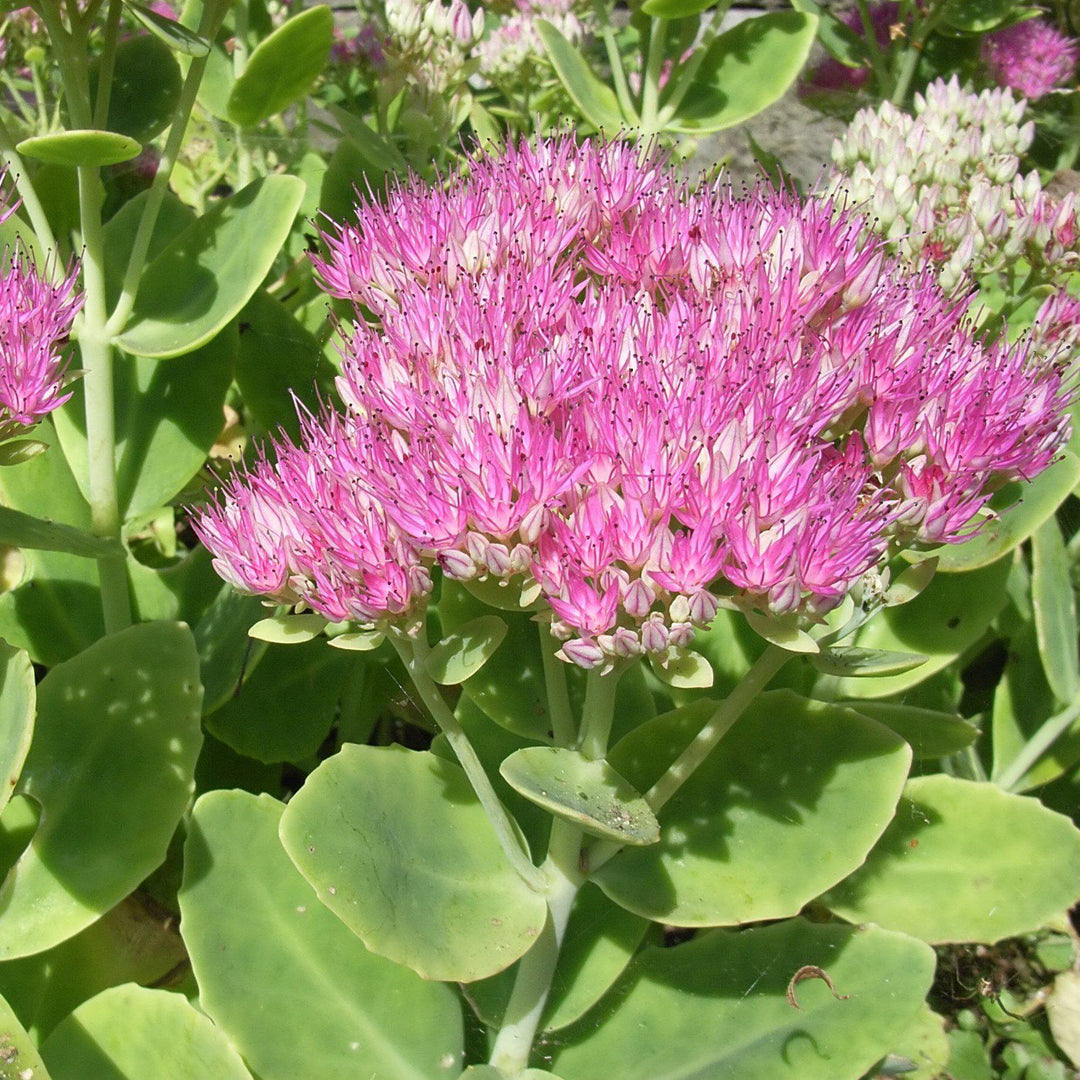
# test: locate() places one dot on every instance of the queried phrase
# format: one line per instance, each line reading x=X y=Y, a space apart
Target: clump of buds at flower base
x=512 y=50
x=633 y=402
x=432 y=40
x=36 y=315
x=1031 y=57
x=945 y=185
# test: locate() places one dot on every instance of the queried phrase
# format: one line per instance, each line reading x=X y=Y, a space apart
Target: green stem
x=911 y=54
x=108 y=65
x=564 y=876
x=413 y=649
x=20 y=102
x=31 y=203
x=94 y=345
x=213 y=13
x=532 y=983
x=650 y=89
x=240 y=58
x=877 y=58
x=1036 y=746
x=598 y=712
x=703 y=744
x=618 y=75
x=563 y=729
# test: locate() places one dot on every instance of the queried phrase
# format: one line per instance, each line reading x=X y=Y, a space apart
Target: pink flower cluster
x=35 y=320
x=636 y=401
x=1031 y=57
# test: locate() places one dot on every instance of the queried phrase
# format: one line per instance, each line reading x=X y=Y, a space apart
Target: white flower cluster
x=434 y=38
x=945 y=183
x=509 y=53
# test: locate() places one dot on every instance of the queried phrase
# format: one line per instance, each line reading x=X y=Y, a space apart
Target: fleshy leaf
x=454 y=908
x=290 y=984
x=17 y=700
x=132 y=1033
x=177 y=36
x=929 y=733
x=283 y=67
x=462 y=653
x=111 y=766
x=932 y=874
x=19 y=1057
x=1054 y=605
x=26 y=531
x=590 y=794
x=784 y=632
x=851 y=661
x=288 y=629
x=594 y=98
x=82 y=146
x=718 y=1006
x=746 y=69
x=789 y=802
x=683 y=669
x=208 y=273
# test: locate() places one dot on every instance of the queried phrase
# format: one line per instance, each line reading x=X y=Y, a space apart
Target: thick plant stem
x=1035 y=747
x=721 y=721
x=650 y=90
x=97 y=360
x=213 y=13
x=31 y=203
x=532 y=985
x=719 y=724
x=412 y=648
x=108 y=64
x=598 y=713
x=558 y=698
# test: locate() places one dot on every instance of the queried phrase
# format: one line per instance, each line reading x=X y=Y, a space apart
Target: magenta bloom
x=35 y=320
x=1031 y=57
x=634 y=401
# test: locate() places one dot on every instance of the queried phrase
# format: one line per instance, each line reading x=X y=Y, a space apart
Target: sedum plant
x=587 y=412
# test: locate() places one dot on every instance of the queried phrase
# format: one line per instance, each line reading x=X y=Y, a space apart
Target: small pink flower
x=1032 y=57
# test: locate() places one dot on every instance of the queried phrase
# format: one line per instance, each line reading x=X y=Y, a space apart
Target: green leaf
x=132 y=1033
x=851 y=661
x=462 y=653
x=80 y=147
x=294 y=988
x=788 y=804
x=167 y=418
x=910 y=583
x=206 y=275
x=283 y=67
x=601 y=939
x=718 y=1007
x=590 y=794
x=177 y=36
x=1013 y=526
x=285 y=708
x=111 y=766
x=378 y=152
x=361 y=641
x=949 y=616
x=838 y=39
x=783 y=631
x=675 y=9
x=26 y=531
x=288 y=629
x=746 y=69
x=1055 y=611
x=146 y=88
x=682 y=669
x=225 y=650
x=488 y=1072
x=136 y=941
x=964 y=861
x=17 y=700
x=977 y=16
x=279 y=363
x=923 y=1050
x=452 y=908
x=929 y=733
x=509 y=688
x=595 y=99
x=19 y=1058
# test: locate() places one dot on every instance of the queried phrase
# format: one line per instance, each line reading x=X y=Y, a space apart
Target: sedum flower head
x=945 y=185
x=571 y=375
x=1031 y=57
x=512 y=49
x=35 y=320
